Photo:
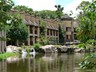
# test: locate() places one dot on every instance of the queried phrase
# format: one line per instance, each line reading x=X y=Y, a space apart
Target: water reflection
x=43 y=63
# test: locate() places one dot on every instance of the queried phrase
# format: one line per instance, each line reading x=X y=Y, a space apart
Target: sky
x=69 y=5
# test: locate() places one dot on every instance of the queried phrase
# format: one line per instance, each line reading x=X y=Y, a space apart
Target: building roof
x=66 y=17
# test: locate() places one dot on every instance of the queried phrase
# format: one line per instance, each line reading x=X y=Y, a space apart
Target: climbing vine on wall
x=43 y=28
x=43 y=39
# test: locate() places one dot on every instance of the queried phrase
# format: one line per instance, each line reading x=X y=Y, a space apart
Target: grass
x=6 y=55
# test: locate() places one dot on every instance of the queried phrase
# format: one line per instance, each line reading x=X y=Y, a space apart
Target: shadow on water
x=50 y=62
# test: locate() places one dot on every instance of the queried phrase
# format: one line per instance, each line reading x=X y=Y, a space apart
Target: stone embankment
x=49 y=49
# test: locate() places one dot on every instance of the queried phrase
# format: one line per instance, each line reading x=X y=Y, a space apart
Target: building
x=52 y=28
x=33 y=24
x=67 y=25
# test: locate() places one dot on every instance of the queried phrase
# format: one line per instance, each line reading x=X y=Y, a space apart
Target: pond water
x=43 y=63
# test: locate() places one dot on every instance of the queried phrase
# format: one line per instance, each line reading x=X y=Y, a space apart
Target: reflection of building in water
x=61 y=63
x=3 y=66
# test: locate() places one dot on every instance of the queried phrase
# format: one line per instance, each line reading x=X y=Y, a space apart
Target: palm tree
x=59 y=10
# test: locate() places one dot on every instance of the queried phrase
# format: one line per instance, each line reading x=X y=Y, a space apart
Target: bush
x=43 y=41
x=82 y=46
x=91 y=41
x=6 y=55
x=37 y=46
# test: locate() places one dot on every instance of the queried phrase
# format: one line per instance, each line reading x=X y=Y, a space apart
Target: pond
x=51 y=62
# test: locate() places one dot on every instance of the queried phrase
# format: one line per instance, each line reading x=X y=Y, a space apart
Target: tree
x=83 y=5
x=5 y=7
x=46 y=14
x=18 y=31
x=87 y=23
x=61 y=35
x=59 y=11
x=24 y=9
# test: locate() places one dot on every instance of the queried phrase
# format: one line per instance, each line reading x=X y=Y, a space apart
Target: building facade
x=52 y=28
x=33 y=24
x=69 y=26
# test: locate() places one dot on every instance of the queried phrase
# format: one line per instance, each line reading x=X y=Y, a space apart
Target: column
x=33 y=39
x=28 y=35
x=33 y=34
x=38 y=32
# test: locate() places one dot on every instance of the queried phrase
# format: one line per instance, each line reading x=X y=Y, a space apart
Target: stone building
x=52 y=28
x=33 y=24
x=69 y=25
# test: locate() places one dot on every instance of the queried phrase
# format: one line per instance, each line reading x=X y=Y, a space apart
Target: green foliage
x=82 y=46
x=6 y=55
x=87 y=23
x=83 y=5
x=42 y=14
x=2 y=38
x=43 y=40
x=37 y=46
x=61 y=35
x=59 y=11
x=88 y=62
x=85 y=30
x=91 y=41
x=5 y=7
x=18 y=30
x=42 y=28
x=45 y=14
x=24 y=9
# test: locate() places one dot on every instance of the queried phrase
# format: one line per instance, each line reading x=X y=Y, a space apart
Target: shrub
x=88 y=62
x=43 y=41
x=37 y=46
x=91 y=41
x=6 y=55
x=82 y=46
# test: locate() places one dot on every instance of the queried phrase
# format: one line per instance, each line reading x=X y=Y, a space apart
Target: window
x=68 y=28
x=75 y=37
x=74 y=29
x=31 y=29
x=68 y=36
x=36 y=29
x=56 y=33
x=51 y=32
x=31 y=40
x=48 y=32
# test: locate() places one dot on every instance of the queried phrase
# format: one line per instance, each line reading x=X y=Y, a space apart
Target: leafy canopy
x=87 y=23
x=18 y=30
x=5 y=7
